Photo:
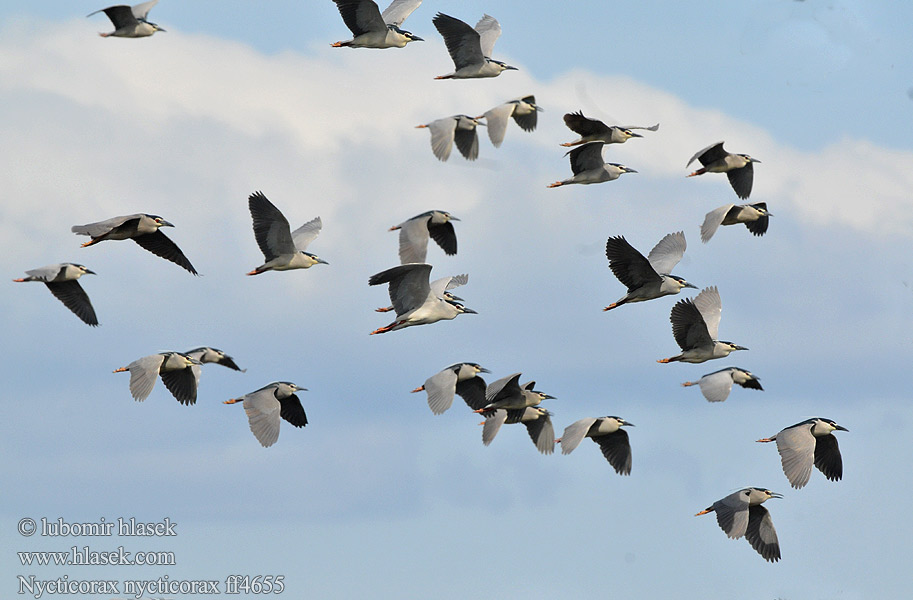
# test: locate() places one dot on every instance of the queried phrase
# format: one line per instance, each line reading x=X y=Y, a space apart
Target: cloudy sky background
x=377 y=497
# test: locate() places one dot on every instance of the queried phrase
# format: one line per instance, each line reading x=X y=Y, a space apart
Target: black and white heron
x=537 y=420
x=372 y=29
x=461 y=379
x=524 y=112
x=695 y=324
x=741 y=514
x=717 y=385
x=594 y=130
x=470 y=48
x=207 y=354
x=507 y=393
x=130 y=22
x=62 y=280
x=412 y=298
x=415 y=232
x=141 y=228
x=266 y=406
x=175 y=369
x=589 y=167
x=441 y=288
x=607 y=432
x=736 y=166
x=806 y=443
x=646 y=277
x=458 y=128
x=282 y=248
x=754 y=216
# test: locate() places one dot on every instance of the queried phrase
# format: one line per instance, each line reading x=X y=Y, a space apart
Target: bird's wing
x=121 y=15
x=716 y=386
x=409 y=287
x=574 y=433
x=584 y=126
x=752 y=384
x=292 y=411
x=489 y=31
x=141 y=11
x=542 y=433
x=732 y=513
x=650 y=128
x=467 y=142
x=440 y=388
x=758 y=227
x=668 y=252
x=75 y=298
x=102 y=227
x=586 y=157
x=463 y=42
x=45 y=274
x=458 y=280
x=709 y=304
x=741 y=179
x=161 y=245
x=271 y=228
x=143 y=372
x=263 y=410
x=688 y=327
x=503 y=388
x=493 y=422
x=227 y=361
x=307 y=233
x=182 y=383
x=472 y=391
x=444 y=235
x=442 y=134
x=761 y=533
x=496 y=120
x=439 y=286
x=711 y=153
x=399 y=11
x=361 y=16
x=827 y=457
x=413 y=239
x=527 y=121
x=712 y=221
x=628 y=265
x=617 y=450
x=796 y=446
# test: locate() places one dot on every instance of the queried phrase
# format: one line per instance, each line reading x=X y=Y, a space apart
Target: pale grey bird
x=282 y=248
x=695 y=324
x=717 y=385
x=646 y=277
x=412 y=298
x=130 y=22
x=811 y=441
x=142 y=229
x=461 y=379
x=61 y=279
x=754 y=216
x=265 y=407
x=736 y=166
x=605 y=431
x=373 y=29
x=507 y=393
x=523 y=110
x=589 y=167
x=441 y=288
x=471 y=48
x=414 y=234
x=458 y=128
x=538 y=422
x=176 y=370
x=593 y=130
x=741 y=514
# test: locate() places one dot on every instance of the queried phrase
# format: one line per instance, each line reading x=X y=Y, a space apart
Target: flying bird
x=458 y=128
x=754 y=216
x=589 y=167
x=471 y=48
x=717 y=385
x=282 y=248
x=267 y=405
x=605 y=431
x=461 y=379
x=142 y=229
x=205 y=355
x=373 y=29
x=808 y=442
x=538 y=422
x=414 y=234
x=736 y=166
x=741 y=514
x=507 y=393
x=647 y=277
x=695 y=324
x=594 y=130
x=524 y=112
x=412 y=298
x=61 y=279
x=130 y=22
x=175 y=369
x=441 y=288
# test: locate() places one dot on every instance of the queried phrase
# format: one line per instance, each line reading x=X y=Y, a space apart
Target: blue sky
x=377 y=497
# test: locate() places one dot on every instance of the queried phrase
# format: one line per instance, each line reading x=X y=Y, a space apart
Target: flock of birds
x=417 y=300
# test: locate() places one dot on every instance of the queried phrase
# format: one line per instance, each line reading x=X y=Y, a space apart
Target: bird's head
x=315 y=260
x=159 y=221
x=681 y=282
x=503 y=66
x=732 y=347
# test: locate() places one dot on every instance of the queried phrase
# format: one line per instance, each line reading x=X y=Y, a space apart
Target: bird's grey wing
x=75 y=298
x=442 y=134
x=732 y=513
x=758 y=227
x=496 y=120
x=472 y=391
x=741 y=179
x=827 y=457
x=463 y=42
x=489 y=31
x=711 y=153
x=141 y=11
x=796 y=446
x=617 y=450
x=504 y=387
x=574 y=433
x=440 y=388
x=143 y=372
x=361 y=16
x=688 y=326
x=292 y=411
x=161 y=245
x=263 y=410
x=467 y=142
x=716 y=386
x=271 y=228
x=668 y=252
x=713 y=220
x=182 y=383
x=650 y=128
x=584 y=126
x=761 y=533
x=527 y=121
x=307 y=233
x=542 y=433
x=102 y=227
x=458 y=280
x=709 y=304
x=439 y=286
x=45 y=274
x=399 y=11
x=586 y=157
x=413 y=241
x=492 y=424
x=409 y=286
x=444 y=235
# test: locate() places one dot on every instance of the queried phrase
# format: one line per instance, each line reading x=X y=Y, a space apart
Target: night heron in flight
x=413 y=300
x=471 y=48
x=373 y=29
x=130 y=22
x=266 y=406
x=461 y=379
x=282 y=248
x=717 y=385
x=736 y=166
x=741 y=514
x=507 y=393
x=589 y=167
x=441 y=288
x=175 y=369
x=458 y=128
x=647 y=277
x=524 y=112
x=415 y=232
x=695 y=324
x=806 y=443
x=605 y=431
x=593 y=130
x=61 y=279
x=206 y=354
x=754 y=216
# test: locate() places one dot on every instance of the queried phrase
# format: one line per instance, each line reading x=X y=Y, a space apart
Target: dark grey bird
x=754 y=216
x=130 y=22
x=458 y=128
x=142 y=229
x=646 y=277
x=61 y=279
x=470 y=48
x=266 y=406
x=741 y=514
x=589 y=167
x=538 y=422
x=808 y=442
x=605 y=431
x=717 y=385
x=372 y=29
x=593 y=130
x=695 y=324
x=282 y=248
x=175 y=369
x=413 y=300
x=461 y=379
x=507 y=393
x=414 y=234
x=524 y=112
x=736 y=166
